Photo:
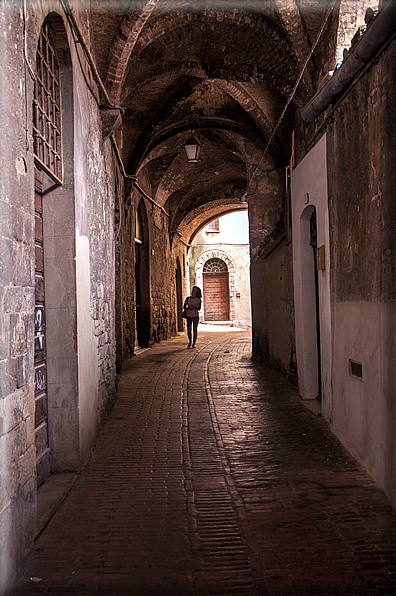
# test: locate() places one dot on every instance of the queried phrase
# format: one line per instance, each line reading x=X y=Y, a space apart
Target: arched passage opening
x=179 y=295
x=142 y=285
x=215 y=273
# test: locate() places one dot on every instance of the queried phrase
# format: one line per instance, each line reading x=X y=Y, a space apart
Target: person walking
x=193 y=305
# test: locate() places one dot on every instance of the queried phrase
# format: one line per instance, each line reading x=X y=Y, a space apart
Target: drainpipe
x=375 y=36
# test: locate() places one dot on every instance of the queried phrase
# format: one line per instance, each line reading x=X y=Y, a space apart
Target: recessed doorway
x=216 y=290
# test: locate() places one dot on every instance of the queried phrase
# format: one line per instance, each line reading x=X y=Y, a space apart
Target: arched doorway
x=214 y=256
x=216 y=290
x=55 y=239
x=310 y=307
x=142 y=292
x=311 y=274
x=314 y=243
x=179 y=295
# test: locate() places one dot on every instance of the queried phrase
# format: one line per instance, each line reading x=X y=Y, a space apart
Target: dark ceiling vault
x=224 y=69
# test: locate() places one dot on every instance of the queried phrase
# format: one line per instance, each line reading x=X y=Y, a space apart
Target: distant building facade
x=219 y=264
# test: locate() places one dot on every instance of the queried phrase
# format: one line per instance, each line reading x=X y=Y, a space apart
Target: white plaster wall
x=309 y=178
x=86 y=341
x=88 y=370
x=364 y=410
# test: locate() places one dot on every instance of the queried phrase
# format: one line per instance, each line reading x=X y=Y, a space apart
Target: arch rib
x=294 y=26
x=130 y=29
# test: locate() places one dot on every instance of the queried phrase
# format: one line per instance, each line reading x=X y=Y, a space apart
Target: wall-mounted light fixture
x=243 y=198
x=191 y=147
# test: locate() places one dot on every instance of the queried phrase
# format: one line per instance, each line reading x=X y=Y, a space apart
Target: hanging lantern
x=192 y=149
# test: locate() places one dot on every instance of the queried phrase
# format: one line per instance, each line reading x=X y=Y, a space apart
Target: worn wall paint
x=364 y=411
x=362 y=228
x=272 y=310
x=88 y=361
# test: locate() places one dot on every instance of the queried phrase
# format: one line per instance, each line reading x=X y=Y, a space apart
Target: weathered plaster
x=364 y=411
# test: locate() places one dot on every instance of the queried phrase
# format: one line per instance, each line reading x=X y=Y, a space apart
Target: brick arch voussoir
x=199 y=217
x=179 y=19
x=216 y=254
x=122 y=47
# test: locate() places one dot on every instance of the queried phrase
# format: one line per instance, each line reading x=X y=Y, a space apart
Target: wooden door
x=314 y=244
x=40 y=368
x=216 y=296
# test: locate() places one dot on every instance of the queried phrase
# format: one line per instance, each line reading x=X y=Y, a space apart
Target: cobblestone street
x=210 y=477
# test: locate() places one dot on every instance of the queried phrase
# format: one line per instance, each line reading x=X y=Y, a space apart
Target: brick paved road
x=211 y=478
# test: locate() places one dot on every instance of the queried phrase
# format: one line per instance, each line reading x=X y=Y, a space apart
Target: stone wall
x=125 y=282
x=162 y=277
x=271 y=275
x=17 y=460
x=79 y=247
x=159 y=293
x=362 y=228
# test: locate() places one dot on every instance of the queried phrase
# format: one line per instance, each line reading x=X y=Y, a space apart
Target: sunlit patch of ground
x=220 y=327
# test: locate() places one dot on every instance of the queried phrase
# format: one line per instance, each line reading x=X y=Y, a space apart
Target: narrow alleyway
x=210 y=477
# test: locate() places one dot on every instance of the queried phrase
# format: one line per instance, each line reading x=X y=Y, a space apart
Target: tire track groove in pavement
x=223 y=548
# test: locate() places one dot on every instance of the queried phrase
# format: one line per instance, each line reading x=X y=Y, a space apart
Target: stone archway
x=142 y=276
x=199 y=267
x=179 y=294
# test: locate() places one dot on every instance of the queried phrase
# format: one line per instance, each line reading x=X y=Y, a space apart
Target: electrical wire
x=94 y=95
x=30 y=69
x=95 y=74
x=134 y=179
x=78 y=39
x=348 y=89
x=292 y=93
x=27 y=68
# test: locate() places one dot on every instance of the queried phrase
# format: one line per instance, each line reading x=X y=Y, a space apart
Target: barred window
x=47 y=108
x=213 y=226
x=215 y=266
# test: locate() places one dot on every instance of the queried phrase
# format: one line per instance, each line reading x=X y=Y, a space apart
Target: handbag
x=184 y=313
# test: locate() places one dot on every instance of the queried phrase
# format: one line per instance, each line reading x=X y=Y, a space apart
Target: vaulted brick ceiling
x=224 y=68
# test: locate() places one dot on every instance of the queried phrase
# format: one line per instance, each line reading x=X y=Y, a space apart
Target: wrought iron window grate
x=46 y=108
x=215 y=266
x=214 y=226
